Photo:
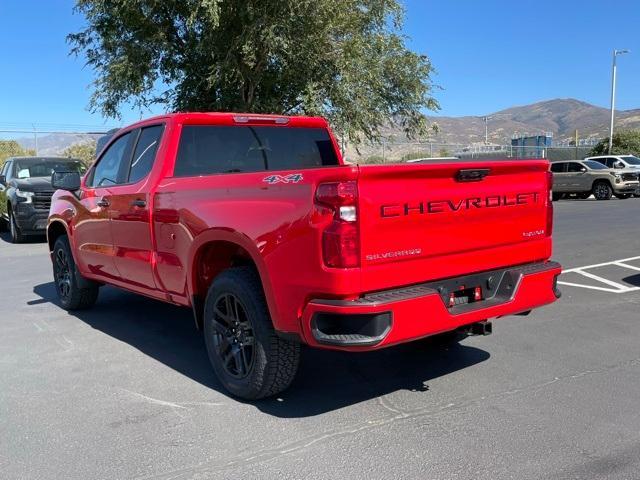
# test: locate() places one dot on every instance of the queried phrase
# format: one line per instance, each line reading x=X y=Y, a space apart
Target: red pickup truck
x=257 y=224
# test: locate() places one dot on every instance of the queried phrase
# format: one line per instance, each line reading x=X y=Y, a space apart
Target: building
x=533 y=146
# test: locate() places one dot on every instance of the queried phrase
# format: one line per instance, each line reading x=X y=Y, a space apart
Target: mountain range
x=561 y=117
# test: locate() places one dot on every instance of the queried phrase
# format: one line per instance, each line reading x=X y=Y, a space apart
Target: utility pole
x=486 y=130
x=576 y=140
x=613 y=94
x=35 y=138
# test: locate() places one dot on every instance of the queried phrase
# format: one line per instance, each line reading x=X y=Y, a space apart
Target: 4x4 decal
x=291 y=178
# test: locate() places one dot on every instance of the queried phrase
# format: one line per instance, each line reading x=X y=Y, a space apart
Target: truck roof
x=235 y=118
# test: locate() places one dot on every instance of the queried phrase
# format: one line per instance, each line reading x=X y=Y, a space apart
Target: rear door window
x=212 y=149
x=557 y=167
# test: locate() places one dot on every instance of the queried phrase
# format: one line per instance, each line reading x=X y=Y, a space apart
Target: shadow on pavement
x=5 y=237
x=633 y=280
x=326 y=380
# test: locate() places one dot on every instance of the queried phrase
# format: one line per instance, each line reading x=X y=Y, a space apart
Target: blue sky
x=489 y=55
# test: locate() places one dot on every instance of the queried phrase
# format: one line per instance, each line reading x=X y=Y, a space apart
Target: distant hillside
x=560 y=117
x=55 y=144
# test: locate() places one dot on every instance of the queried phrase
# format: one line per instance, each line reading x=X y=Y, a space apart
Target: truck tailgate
x=423 y=222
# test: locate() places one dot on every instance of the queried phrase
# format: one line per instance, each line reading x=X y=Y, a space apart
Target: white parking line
x=617 y=287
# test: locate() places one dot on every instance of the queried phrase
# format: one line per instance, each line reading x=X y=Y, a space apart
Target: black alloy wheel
x=233 y=336
x=74 y=291
x=62 y=274
x=602 y=191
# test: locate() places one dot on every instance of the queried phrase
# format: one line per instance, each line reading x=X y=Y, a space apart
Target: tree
x=344 y=59
x=11 y=148
x=85 y=151
x=624 y=142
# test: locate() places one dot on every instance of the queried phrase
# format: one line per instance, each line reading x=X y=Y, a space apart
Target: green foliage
x=415 y=156
x=82 y=151
x=346 y=60
x=11 y=148
x=624 y=142
x=374 y=159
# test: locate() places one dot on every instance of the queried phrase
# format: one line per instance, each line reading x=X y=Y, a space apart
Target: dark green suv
x=25 y=193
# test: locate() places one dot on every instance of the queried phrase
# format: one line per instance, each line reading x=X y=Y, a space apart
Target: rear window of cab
x=217 y=149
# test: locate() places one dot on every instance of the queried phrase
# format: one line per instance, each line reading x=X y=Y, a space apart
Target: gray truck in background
x=584 y=178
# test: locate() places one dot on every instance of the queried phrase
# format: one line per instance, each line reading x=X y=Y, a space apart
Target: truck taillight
x=549 y=229
x=341 y=239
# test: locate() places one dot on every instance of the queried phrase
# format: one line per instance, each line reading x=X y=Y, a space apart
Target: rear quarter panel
x=275 y=224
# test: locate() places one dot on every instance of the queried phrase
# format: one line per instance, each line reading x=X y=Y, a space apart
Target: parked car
x=587 y=177
x=25 y=193
x=619 y=162
x=255 y=222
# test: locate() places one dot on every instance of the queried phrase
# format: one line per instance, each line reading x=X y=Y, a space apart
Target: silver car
x=584 y=178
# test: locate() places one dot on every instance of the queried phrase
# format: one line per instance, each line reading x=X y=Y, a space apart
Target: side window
x=108 y=171
x=574 y=167
x=557 y=167
x=206 y=150
x=617 y=163
x=5 y=169
x=145 y=153
x=608 y=162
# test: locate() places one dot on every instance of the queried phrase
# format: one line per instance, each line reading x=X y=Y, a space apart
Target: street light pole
x=613 y=94
x=486 y=130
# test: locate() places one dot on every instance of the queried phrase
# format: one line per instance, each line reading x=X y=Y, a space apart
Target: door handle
x=139 y=203
x=103 y=202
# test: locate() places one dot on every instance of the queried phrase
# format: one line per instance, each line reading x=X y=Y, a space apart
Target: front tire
x=14 y=230
x=247 y=355
x=65 y=274
x=602 y=191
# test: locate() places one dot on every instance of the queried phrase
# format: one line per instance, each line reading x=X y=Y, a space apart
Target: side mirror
x=69 y=181
x=3 y=180
x=618 y=165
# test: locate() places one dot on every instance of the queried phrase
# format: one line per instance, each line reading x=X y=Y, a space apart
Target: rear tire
x=602 y=191
x=14 y=230
x=556 y=196
x=247 y=355
x=66 y=275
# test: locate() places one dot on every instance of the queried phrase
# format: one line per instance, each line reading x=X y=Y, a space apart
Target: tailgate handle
x=472 y=174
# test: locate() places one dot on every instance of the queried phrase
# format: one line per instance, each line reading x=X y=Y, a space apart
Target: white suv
x=618 y=161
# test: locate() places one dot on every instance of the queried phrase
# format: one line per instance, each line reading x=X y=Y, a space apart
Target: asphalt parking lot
x=125 y=390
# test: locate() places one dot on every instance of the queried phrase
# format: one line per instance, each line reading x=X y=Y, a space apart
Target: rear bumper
x=395 y=316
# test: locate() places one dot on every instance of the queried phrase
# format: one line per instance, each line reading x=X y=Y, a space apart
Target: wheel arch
x=55 y=230
x=601 y=180
x=214 y=251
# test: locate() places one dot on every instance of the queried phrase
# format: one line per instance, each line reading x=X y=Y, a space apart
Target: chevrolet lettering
x=445 y=206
